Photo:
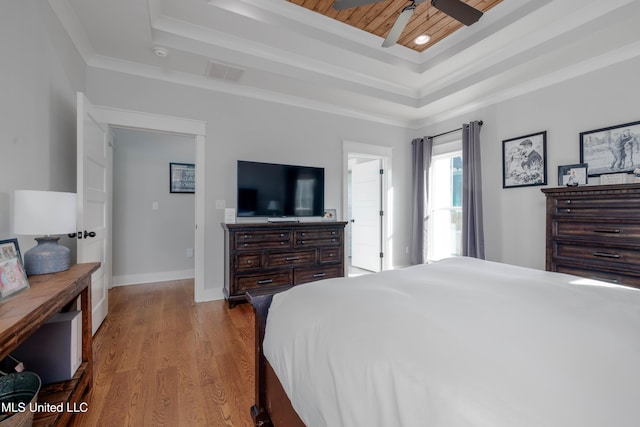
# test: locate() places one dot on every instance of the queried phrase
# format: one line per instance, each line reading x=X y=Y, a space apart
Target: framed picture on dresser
x=614 y=149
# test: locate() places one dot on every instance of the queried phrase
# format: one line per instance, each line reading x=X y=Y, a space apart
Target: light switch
x=154 y=206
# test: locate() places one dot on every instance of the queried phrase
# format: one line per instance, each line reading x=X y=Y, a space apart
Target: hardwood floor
x=163 y=360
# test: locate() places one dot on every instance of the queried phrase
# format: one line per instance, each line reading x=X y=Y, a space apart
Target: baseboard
x=164 y=276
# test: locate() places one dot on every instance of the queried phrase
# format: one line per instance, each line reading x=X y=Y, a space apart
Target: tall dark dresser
x=594 y=231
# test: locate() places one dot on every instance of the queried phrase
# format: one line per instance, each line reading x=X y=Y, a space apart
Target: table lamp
x=45 y=213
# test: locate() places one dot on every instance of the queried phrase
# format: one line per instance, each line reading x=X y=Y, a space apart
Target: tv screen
x=270 y=190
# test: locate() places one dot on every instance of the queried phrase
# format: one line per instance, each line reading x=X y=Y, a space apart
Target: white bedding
x=461 y=342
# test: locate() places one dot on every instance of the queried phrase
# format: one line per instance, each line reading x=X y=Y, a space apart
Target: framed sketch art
x=524 y=160
x=613 y=149
x=13 y=277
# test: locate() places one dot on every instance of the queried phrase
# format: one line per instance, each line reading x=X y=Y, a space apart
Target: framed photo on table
x=614 y=149
x=572 y=175
x=524 y=160
x=13 y=277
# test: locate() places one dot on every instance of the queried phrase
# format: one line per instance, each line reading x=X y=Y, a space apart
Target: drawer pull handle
x=604 y=279
x=264 y=282
x=607 y=255
x=249 y=262
x=319 y=275
x=282 y=243
x=567 y=210
x=608 y=230
x=245 y=245
x=292 y=258
x=302 y=242
x=333 y=240
x=568 y=202
x=303 y=234
x=246 y=236
x=281 y=234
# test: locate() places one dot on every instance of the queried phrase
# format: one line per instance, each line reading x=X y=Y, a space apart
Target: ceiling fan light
x=422 y=39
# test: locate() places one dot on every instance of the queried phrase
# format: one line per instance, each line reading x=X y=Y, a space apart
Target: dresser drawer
x=245 y=261
x=317 y=238
x=263 y=239
x=606 y=230
x=288 y=259
x=598 y=254
x=331 y=254
x=305 y=275
x=261 y=280
x=600 y=207
x=605 y=276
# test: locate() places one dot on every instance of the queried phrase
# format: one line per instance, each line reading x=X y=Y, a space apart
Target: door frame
x=351 y=148
x=114 y=117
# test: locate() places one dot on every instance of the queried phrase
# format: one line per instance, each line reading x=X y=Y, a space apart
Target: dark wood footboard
x=272 y=406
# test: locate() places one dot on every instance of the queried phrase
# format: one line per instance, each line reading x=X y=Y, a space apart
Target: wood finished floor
x=162 y=360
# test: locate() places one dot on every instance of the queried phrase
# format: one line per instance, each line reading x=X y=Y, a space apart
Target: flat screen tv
x=274 y=190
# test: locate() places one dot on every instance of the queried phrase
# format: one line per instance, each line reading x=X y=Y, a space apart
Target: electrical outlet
x=189 y=252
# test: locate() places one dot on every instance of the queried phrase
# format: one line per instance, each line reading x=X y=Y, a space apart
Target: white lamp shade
x=44 y=213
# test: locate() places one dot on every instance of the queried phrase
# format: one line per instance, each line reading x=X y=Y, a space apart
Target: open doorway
x=367 y=180
x=153 y=228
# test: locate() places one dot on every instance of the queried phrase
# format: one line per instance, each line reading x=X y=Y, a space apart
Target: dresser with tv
x=274 y=255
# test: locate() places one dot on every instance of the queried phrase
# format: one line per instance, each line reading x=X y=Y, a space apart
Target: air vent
x=221 y=71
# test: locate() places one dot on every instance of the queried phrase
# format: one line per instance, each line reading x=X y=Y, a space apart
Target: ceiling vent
x=221 y=71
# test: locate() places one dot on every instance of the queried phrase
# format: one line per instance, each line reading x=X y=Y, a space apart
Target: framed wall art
x=182 y=178
x=614 y=149
x=13 y=277
x=524 y=160
x=572 y=175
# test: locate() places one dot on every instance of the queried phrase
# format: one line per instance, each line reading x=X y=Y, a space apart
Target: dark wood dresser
x=270 y=255
x=594 y=232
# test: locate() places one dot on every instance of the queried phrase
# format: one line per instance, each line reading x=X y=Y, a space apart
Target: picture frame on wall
x=614 y=149
x=524 y=160
x=182 y=178
x=573 y=175
x=13 y=277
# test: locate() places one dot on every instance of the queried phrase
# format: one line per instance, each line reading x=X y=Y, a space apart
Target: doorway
x=196 y=130
x=367 y=182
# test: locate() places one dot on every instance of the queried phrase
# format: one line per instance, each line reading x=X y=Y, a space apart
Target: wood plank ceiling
x=378 y=18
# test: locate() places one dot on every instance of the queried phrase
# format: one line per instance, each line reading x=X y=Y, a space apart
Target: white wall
x=240 y=128
x=150 y=245
x=514 y=218
x=39 y=76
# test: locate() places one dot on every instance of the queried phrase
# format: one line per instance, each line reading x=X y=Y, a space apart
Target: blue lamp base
x=47 y=257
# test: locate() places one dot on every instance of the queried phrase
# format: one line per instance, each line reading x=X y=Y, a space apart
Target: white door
x=366 y=205
x=93 y=188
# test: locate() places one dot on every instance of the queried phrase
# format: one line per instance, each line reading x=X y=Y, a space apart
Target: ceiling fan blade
x=458 y=10
x=398 y=26
x=348 y=4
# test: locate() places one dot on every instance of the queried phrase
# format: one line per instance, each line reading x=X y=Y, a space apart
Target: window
x=444 y=223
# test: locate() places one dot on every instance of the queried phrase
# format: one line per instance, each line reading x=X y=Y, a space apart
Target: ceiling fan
x=456 y=9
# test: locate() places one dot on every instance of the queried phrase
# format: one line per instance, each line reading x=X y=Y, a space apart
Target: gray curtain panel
x=472 y=229
x=421 y=161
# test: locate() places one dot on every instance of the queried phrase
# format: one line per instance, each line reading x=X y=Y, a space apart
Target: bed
x=460 y=342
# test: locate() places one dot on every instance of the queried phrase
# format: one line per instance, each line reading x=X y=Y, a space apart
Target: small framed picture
x=182 y=178
x=329 y=215
x=13 y=277
x=572 y=175
x=524 y=160
x=613 y=149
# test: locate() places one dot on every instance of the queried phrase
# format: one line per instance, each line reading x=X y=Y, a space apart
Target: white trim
x=197 y=129
x=164 y=276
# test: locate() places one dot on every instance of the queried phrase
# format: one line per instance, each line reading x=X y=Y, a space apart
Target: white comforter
x=461 y=342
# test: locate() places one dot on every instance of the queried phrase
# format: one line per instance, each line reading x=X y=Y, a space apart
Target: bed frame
x=272 y=406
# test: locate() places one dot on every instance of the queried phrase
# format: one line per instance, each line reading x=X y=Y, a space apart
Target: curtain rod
x=451 y=131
